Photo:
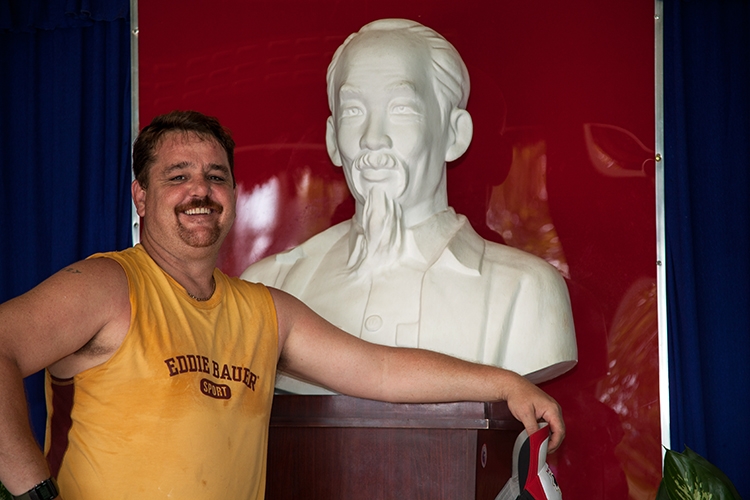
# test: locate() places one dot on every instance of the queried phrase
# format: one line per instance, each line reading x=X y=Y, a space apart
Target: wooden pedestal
x=343 y=448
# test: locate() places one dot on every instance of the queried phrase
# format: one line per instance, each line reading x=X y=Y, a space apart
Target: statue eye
x=351 y=111
x=403 y=109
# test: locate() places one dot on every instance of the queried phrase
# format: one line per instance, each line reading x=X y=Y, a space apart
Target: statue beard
x=379 y=169
x=380 y=243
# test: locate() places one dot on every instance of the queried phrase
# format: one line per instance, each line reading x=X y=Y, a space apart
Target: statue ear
x=331 y=146
x=461 y=132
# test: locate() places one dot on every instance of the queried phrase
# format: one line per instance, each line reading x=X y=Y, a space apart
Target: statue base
x=339 y=447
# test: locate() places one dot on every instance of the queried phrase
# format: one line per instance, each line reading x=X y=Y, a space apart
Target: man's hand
x=529 y=404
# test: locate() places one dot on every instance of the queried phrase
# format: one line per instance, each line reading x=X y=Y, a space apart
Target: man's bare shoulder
x=84 y=307
x=98 y=266
x=89 y=283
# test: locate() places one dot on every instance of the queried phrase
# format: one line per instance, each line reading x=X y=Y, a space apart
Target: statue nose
x=375 y=135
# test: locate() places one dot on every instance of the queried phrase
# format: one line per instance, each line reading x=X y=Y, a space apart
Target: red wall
x=561 y=165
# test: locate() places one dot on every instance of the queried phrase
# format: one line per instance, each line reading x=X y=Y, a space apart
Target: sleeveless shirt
x=181 y=410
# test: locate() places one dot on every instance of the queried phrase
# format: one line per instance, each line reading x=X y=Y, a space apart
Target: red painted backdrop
x=561 y=165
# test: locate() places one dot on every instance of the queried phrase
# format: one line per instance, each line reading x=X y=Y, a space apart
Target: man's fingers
x=555 y=440
x=557 y=432
x=529 y=405
x=554 y=420
x=531 y=426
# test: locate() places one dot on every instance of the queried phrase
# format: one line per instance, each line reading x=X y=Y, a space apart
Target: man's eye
x=217 y=178
x=178 y=178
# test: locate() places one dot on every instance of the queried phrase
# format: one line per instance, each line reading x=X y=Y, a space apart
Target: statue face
x=387 y=123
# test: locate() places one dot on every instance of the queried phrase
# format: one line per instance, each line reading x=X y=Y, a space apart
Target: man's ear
x=462 y=130
x=331 y=145
x=139 y=198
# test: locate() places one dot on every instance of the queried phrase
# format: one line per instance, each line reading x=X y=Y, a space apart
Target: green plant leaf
x=711 y=468
x=662 y=493
x=687 y=478
x=4 y=494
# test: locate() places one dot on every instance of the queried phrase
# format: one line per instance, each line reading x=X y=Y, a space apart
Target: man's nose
x=375 y=135
x=200 y=187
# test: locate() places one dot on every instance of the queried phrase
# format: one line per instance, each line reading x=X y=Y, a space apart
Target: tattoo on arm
x=72 y=270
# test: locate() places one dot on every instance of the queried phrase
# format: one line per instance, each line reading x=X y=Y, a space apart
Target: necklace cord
x=200 y=299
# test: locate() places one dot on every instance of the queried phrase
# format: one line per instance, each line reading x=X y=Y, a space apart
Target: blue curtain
x=707 y=159
x=64 y=142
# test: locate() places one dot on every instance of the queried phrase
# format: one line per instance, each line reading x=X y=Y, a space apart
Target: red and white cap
x=532 y=478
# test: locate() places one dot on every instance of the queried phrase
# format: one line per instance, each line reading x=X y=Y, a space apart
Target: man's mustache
x=205 y=202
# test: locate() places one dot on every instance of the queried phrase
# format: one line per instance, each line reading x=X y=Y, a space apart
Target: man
x=160 y=368
x=406 y=270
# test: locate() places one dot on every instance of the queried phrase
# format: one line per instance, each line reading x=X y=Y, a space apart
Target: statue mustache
x=377 y=160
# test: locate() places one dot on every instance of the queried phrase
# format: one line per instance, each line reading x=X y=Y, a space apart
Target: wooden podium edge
x=294 y=410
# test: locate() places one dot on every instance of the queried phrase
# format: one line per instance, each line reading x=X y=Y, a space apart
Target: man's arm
x=69 y=323
x=313 y=349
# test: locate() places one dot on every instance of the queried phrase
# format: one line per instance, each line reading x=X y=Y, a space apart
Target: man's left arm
x=313 y=349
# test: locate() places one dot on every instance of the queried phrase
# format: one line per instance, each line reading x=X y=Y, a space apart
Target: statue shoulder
x=529 y=269
x=497 y=258
x=542 y=315
x=271 y=270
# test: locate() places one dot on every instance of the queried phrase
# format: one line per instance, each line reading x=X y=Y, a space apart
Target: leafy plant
x=4 y=494
x=689 y=476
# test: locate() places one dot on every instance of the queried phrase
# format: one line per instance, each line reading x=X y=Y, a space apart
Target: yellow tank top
x=181 y=410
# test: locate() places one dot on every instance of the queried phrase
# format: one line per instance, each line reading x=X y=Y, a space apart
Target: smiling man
x=160 y=368
x=407 y=270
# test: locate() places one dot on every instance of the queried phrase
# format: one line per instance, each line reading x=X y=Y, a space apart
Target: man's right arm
x=315 y=350
x=72 y=321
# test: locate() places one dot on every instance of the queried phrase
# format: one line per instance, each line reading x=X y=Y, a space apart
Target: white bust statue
x=407 y=270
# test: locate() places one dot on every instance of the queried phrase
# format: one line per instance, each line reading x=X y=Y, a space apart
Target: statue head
x=397 y=92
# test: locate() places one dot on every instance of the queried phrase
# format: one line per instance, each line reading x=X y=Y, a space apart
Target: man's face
x=387 y=120
x=190 y=200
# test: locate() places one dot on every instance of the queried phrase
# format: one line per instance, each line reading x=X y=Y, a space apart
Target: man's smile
x=198 y=211
x=200 y=206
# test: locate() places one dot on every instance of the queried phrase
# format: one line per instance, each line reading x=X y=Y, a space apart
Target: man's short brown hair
x=204 y=126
